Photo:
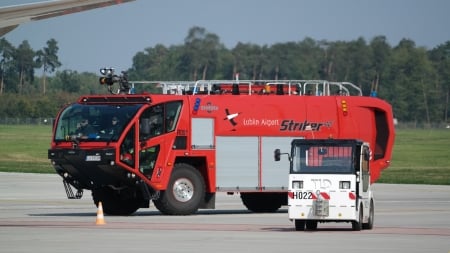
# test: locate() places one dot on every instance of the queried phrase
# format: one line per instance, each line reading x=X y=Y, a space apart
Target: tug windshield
x=323 y=159
x=93 y=122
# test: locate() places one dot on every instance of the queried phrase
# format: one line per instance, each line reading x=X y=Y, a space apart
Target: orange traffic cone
x=100 y=217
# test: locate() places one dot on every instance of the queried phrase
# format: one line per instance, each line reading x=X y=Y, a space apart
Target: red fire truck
x=179 y=148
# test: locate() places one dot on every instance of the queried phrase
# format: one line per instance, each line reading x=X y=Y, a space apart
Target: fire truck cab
x=329 y=181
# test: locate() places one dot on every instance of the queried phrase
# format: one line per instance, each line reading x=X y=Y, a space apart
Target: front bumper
x=88 y=169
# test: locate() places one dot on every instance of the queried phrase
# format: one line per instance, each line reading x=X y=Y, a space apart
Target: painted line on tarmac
x=223 y=227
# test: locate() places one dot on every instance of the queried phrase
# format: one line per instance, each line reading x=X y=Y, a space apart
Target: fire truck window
x=172 y=113
x=99 y=121
x=147 y=160
x=159 y=119
x=151 y=122
x=127 y=148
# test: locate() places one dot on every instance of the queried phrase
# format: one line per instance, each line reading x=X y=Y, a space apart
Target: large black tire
x=357 y=225
x=311 y=225
x=185 y=191
x=369 y=224
x=261 y=202
x=299 y=225
x=117 y=202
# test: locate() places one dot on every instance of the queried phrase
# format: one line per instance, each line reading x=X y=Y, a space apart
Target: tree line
x=415 y=80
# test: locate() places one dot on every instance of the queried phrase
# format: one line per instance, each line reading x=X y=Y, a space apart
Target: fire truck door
x=153 y=130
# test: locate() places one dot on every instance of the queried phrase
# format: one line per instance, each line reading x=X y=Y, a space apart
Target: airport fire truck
x=329 y=181
x=180 y=146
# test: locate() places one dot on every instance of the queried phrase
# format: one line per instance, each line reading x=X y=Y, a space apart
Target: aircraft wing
x=13 y=16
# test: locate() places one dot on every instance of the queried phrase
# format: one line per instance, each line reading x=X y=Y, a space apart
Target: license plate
x=93 y=158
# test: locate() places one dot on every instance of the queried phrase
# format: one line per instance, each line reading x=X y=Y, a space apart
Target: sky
x=111 y=36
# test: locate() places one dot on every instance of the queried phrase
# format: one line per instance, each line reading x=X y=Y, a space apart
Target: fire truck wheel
x=357 y=225
x=261 y=202
x=369 y=224
x=115 y=203
x=185 y=191
x=299 y=225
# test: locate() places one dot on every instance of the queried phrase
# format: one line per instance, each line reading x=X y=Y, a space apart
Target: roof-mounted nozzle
x=109 y=79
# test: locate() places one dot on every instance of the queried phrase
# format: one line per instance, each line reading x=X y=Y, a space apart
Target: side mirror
x=366 y=156
x=277 y=154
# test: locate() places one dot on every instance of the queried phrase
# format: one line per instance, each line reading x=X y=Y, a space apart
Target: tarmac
x=36 y=216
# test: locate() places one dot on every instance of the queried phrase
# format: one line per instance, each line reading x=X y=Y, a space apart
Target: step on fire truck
x=179 y=148
x=329 y=181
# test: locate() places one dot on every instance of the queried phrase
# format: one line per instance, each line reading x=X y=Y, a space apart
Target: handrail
x=253 y=87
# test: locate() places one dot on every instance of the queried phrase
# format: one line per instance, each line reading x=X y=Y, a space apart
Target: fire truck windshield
x=93 y=122
x=323 y=159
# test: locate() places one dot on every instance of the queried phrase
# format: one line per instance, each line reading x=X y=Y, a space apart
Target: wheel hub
x=183 y=190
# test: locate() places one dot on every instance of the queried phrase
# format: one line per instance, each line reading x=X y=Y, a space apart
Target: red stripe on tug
x=323 y=195
x=291 y=195
x=352 y=195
